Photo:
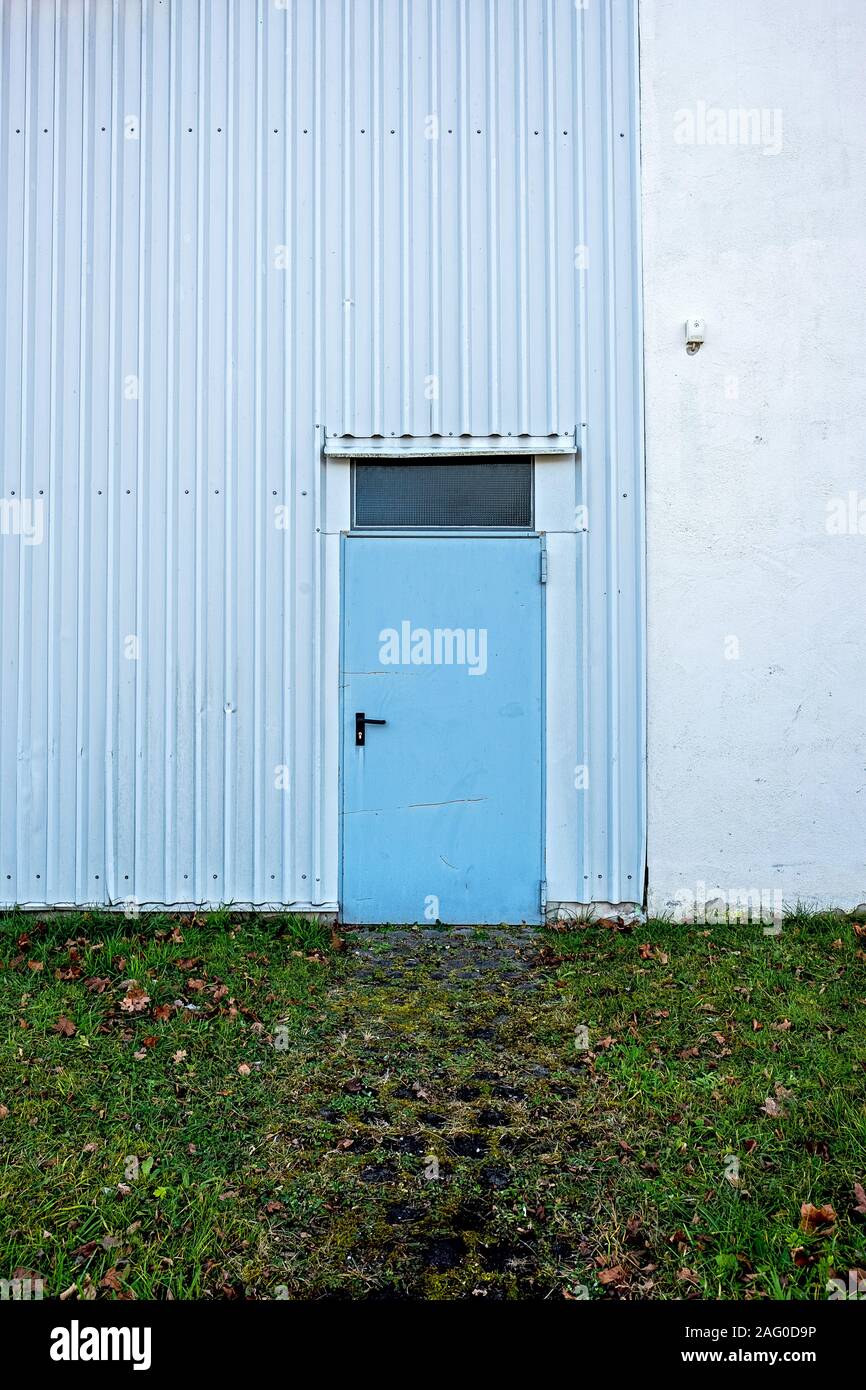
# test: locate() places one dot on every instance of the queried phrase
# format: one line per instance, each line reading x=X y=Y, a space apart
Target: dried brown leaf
x=817 y=1219
x=135 y=1000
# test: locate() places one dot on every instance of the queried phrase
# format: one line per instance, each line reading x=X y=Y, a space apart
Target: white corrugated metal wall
x=226 y=228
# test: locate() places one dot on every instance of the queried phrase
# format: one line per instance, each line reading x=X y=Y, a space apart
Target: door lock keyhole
x=361 y=722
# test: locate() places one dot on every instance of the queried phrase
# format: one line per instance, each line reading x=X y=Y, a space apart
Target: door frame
x=559 y=489
x=458 y=534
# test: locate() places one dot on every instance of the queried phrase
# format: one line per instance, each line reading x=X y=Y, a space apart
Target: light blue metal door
x=442 y=803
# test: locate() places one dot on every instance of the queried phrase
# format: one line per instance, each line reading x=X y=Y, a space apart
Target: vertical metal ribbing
x=612 y=838
x=406 y=135
x=377 y=307
x=83 y=889
x=463 y=265
x=201 y=887
x=464 y=249
x=435 y=196
x=52 y=792
x=5 y=125
x=141 y=492
x=551 y=222
x=321 y=344
x=169 y=856
x=229 y=700
x=287 y=694
x=522 y=219
x=259 y=436
x=22 y=846
x=579 y=119
x=110 y=842
x=347 y=164
x=493 y=277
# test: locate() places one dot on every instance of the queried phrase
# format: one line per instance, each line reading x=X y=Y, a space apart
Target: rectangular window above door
x=457 y=494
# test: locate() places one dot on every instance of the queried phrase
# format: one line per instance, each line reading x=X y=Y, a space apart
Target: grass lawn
x=217 y=1107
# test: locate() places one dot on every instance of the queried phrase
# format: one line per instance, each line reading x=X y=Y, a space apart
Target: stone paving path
x=445 y=1115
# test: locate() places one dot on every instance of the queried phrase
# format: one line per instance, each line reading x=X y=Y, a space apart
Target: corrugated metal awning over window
x=348 y=446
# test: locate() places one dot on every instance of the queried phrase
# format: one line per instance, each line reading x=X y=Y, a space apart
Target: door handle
x=361 y=721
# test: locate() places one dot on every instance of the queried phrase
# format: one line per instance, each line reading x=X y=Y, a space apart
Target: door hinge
x=542 y=894
x=544 y=564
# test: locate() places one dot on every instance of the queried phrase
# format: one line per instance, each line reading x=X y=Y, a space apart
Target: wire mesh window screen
x=462 y=492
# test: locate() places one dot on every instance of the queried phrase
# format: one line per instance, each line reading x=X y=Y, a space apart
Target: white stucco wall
x=757 y=760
